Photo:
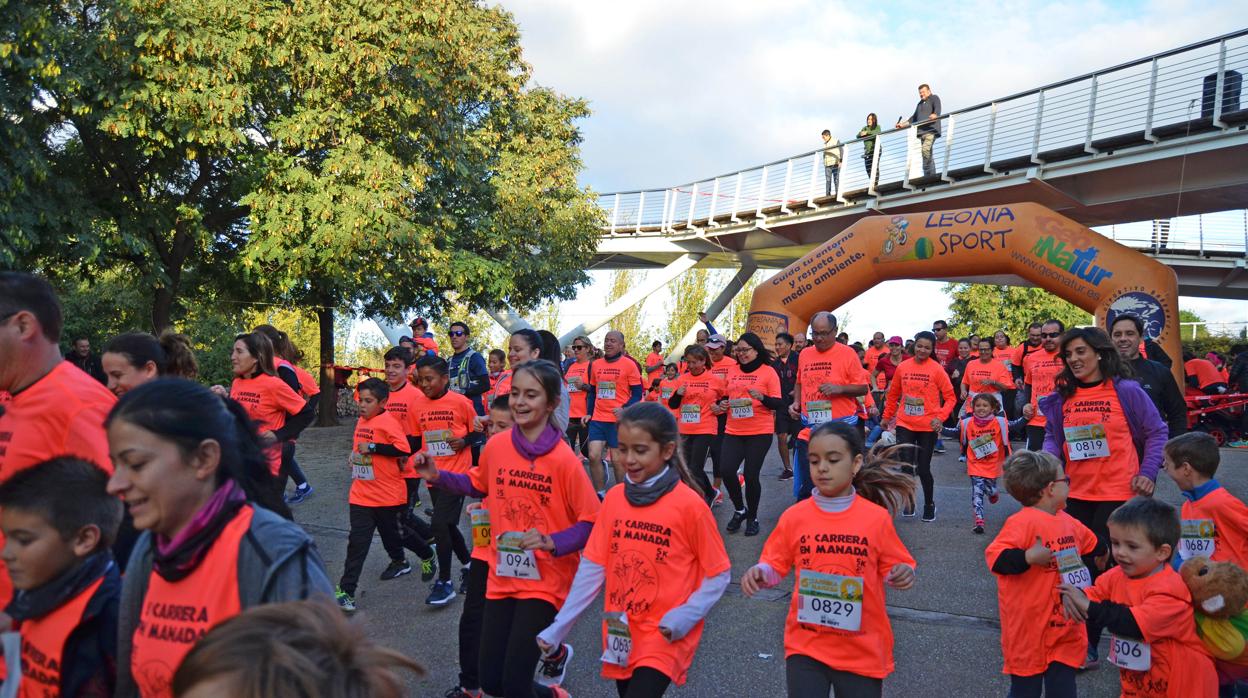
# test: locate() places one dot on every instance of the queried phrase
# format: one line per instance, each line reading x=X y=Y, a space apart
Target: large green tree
x=984 y=309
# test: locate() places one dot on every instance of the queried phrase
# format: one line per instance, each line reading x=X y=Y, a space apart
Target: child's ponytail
x=880 y=480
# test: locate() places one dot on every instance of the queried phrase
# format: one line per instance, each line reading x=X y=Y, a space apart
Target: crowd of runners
x=150 y=547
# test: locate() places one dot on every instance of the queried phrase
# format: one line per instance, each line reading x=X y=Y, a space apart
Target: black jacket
x=1159 y=383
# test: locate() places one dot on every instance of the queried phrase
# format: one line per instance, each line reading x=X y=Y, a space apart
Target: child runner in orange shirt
x=542 y=508
x=845 y=550
x=498 y=421
x=986 y=441
x=378 y=494
x=667 y=386
x=656 y=550
x=1214 y=524
x=1146 y=607
x=1037 y=548
x=697 y=392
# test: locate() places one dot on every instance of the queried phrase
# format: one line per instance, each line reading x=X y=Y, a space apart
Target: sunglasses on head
x=457 y=333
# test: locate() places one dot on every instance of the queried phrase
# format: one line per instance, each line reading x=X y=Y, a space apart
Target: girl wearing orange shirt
x=753 y=388
x=921 y=398
x=1003 y=352
x=134 y=358
x=659 y=588
x=986 y=440
x=542 y=508
x=697 y=393
x=845 y=550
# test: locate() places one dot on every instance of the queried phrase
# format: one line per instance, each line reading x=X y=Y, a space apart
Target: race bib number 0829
x=830 y=600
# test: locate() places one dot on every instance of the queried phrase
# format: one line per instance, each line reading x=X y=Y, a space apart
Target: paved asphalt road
x=947 y=638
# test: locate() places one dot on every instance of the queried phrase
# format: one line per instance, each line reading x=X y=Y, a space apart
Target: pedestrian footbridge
x=1152 y=153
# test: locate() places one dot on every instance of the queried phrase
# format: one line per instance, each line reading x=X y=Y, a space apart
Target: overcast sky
x=686 y=89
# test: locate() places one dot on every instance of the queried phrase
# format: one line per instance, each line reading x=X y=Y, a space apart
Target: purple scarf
x=177 y=557
x=546 y=442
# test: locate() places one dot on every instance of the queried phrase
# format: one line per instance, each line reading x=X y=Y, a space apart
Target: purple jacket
x=1148 y=432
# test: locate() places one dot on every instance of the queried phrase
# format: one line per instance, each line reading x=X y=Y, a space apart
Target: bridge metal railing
x=1222 y=233
x=1189 y=90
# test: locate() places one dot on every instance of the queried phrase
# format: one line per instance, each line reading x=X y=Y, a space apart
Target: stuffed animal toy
x=1220 y=594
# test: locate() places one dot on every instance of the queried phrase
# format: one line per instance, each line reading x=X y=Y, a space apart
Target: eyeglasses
x=937 y=329
x=1063 y=479
x=1050 y=335
x=742 y=350
x=457 y=333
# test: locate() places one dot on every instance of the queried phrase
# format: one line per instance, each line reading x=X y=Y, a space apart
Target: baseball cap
x=418 y=321
x=717 y=340
x=895 y=340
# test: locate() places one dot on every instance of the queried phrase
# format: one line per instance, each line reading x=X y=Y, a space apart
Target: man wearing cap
x=422 y=336
x=829 y=380
x=716 y=344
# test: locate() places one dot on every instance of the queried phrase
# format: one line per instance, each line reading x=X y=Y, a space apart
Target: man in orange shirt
x=874 y=351
x=829 y=380
x=1203 y=375
x=1040 y=369
x=614 y=383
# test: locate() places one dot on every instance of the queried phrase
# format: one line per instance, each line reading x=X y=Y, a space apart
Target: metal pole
x=1152 y=103
x=1035 y=138
x=762 y=187
x=710 y=215
x=1087 y=139
x=615 y=211
x=944 y=170
x=788 y=176
x=814 y=181
x=1217 y=93
x=693 y=204
x=992 y=131
x=736 y=198
x=641 y=209
x=874 y=175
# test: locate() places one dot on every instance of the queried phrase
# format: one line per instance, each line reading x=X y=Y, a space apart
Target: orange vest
x=176 y=615
x=43 y=642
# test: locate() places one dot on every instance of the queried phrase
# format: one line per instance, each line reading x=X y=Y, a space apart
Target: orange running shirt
x=919 y=392
x=452 y=413
x=655 y=557
x=60 y=414
x=701 y=393
x=944 y=352
x=1204 y=371
x=987 y=445
x=502 y=386
x=747 y=416
x=268 y=401
x=871 y=355
x=1034 y=629
x=667 y=388
x=549 y=494
x=1040 y=370
x=400 y=405
x=977 y=374
x=175 y=615
x=613 y=383
x=307 y=384
x=839 y=366
x=1162 y=607
x=652 y=359
x=1095 y=423
x=577 y=378
x=43 y=645
x=1220 y=511
x=859 y=543
x=1006 y=355
x=377 y=480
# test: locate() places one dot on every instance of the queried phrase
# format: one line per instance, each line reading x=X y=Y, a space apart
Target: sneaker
x=929 y=512
x=559 y=692
x=751 y=527
x=463 y=578
x=345 y=601
x=397 y=568
x=719 y=498
x=979 y=526
x=961 y=459
x=552 y=670
x=441 y=594
x=994 y=498
x=300 y=494
x=1091 y=661
x=907 y=510
x=939 y=449
x=428 y=568
x=734 y=524
x=786 y=474
x=461 y=692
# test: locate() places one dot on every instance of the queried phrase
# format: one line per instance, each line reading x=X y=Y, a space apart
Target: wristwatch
x=372 y=448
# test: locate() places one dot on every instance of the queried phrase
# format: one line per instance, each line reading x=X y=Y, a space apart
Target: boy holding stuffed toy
x=1146 y=607
x=1214 y=524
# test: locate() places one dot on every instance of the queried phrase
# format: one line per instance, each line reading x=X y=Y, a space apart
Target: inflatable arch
x=1024 y=239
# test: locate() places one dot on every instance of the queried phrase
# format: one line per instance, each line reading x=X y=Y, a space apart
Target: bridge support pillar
x=653 y=283
x=730 y=291
x=509 y=319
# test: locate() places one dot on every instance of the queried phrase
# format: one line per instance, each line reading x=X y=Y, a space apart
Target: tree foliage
x=629 y=321
x=689 y=295
x=984 y=309
x=737 y=314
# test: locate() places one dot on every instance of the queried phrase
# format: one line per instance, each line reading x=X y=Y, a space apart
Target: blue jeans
x=832 y=176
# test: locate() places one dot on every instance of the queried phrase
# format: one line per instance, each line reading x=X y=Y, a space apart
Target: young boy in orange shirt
x=1213 y=523
x=1036 y=548
x=1146 y=607
x=59 y=523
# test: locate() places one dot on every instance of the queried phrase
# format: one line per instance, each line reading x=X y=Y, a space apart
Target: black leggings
x=717 y=444
x=694 y=448
x=289 y=468
x=751 y=450
x=470 y=625
x=1058 y=681
x=578 y=436
x=447 y=508
x=509 y=651
x=1094 y=515
x=1035 y=438
x=920 y=458
x=808 y=678
x=1011 y=410
x=644 y=683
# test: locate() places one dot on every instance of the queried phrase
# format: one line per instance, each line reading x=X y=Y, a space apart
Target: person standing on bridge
x=868 y=133
x=927 y=116
x=831 y=162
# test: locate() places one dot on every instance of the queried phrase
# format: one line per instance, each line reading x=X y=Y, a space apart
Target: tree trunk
x=329 y=395
x=162 y=308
